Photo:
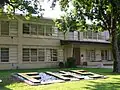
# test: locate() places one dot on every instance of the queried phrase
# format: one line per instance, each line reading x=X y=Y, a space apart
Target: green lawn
x=111 y=83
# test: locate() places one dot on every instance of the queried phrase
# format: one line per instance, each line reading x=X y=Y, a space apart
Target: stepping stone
x=26 y=76
x=58 y=76
x=87 y=73
x=96 y=76
x=73 y=74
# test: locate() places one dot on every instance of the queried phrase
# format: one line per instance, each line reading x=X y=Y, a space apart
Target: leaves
x=26 y=6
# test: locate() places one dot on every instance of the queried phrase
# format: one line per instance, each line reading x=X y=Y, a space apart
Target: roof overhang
x=66 y=42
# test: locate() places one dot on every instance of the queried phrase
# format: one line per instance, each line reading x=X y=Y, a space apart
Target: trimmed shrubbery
x=61 y=64
x=70 y=62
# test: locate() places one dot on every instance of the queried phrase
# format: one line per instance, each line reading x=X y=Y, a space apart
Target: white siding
x=13 y=54
x=13 y=28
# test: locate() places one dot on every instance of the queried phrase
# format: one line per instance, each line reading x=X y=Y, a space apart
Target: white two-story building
x=36 y=43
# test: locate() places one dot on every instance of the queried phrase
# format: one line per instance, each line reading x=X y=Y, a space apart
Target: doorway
x=76 y=55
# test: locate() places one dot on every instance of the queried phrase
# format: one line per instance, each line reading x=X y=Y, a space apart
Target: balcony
x=84 y=36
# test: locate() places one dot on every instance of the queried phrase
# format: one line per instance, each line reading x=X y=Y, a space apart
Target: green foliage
x=103 y=14
x=61 y=64
x=70 y=62
x=28 y=7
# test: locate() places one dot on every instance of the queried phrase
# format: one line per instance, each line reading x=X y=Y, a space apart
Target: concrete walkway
x=96 y=66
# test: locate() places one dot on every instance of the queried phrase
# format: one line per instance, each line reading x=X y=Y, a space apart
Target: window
x=41 y=54
x=37 y=29
x=104 y=55
x=26 y=29
x=99 y=35
x=4 y=54
x=90 y=55
x=4 y=27
x=33 y=55
x=41 y=29
x=33 y=29
x=49 y=30
x=94 y=35
x=26 y=55
x=85 y=35
x=89 y=33
x=52 y=54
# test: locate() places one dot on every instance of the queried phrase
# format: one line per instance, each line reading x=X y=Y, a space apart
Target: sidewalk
x=95 y=66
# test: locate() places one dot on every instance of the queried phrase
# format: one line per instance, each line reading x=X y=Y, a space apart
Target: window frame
x=2 y=22
x=91 y=55
x=8 y=58
x=28 y=27
x=105 y=56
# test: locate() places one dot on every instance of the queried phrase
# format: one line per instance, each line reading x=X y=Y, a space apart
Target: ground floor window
x=52 y=54
x=104 y=54
x=33 y=54
x=4 y=54
x=39 y=54
x=90 y=54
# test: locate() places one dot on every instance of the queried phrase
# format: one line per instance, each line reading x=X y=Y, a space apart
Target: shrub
x=61 y=64
x=70 y=62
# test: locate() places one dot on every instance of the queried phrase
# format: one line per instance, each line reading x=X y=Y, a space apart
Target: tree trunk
x=115 y=52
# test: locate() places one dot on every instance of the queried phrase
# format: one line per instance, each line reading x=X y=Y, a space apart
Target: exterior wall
x=97 y=49
x=16 y=41
x=84 y=48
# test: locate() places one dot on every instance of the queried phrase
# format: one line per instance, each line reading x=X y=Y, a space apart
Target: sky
x=56 y=13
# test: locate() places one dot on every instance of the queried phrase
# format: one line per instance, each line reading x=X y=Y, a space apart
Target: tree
x=103 y=14
x=28 y=7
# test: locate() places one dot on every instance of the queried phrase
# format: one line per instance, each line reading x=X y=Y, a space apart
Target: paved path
x=96 y=66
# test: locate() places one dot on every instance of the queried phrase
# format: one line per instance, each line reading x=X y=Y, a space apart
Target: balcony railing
x=84 y=36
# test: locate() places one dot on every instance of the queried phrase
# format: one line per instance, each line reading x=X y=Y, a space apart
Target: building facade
x=36 y=43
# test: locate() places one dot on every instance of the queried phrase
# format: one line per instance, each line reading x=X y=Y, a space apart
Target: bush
x=61 y=64
x=70 y=62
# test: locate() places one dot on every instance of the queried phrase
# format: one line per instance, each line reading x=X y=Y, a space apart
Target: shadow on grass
x=7 y=81
x=109 y=85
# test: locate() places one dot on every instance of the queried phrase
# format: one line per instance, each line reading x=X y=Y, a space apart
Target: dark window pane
x=26 y=54
x=5 y=28
x=4 y=54
x=26 y=28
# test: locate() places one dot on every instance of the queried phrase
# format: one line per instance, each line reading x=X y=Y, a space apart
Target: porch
x=95 y=54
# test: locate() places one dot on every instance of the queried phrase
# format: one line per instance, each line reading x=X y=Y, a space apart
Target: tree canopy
x=27 y=7
x=103 y=14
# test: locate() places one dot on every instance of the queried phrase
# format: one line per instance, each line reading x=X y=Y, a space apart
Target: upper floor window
x=5 y=28
x=33 y=29
x=49 y=30
x=41 y=29
x=37 y=29
x=26 y=29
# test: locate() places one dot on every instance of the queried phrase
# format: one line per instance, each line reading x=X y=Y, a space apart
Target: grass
x=111 y=83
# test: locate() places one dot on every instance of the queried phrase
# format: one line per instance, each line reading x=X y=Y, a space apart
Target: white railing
x=81 y=36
